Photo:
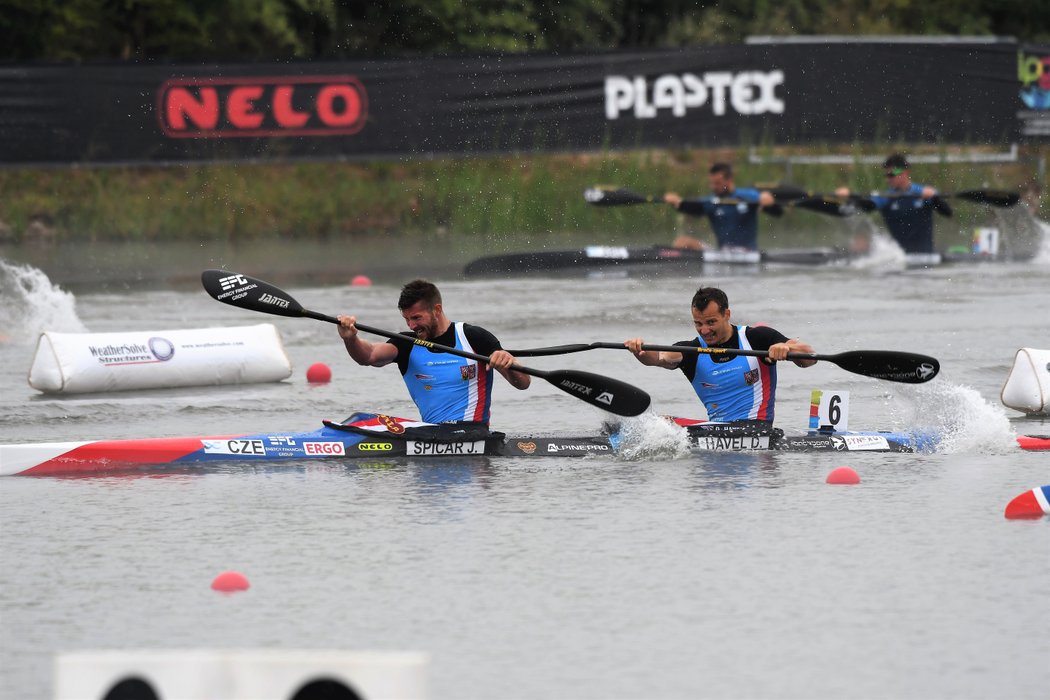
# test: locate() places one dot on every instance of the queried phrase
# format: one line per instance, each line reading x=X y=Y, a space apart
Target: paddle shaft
x=904 y=367
x=581 y=347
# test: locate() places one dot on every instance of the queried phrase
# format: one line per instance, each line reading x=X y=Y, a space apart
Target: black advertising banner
x=782 y=93
x=1033 y=94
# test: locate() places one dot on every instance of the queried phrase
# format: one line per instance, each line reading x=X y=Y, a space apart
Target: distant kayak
x=591 y=258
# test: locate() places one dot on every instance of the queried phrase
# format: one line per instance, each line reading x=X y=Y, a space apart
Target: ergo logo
x=320 y=105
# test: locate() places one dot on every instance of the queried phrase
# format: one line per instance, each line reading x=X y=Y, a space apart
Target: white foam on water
x=1042 y=255
x=651 y=436
x=964 y=420
x=31 y=304
x=883 y=254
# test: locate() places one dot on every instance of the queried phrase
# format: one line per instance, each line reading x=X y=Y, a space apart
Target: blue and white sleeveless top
x=447 y=387
x=744 y=388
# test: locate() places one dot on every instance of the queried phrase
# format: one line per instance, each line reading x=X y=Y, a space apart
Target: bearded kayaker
x=735 y=223
x=906 y=207
x=444 y=387
x=731 y=387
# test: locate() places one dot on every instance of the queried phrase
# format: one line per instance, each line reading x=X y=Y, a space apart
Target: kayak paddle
x=246 y=292
x=787 y=196
x=904 y=367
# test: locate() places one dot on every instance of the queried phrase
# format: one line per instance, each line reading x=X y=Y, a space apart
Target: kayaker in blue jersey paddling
x=734 y=222
x=731 y=387
x=906 y=207
x=445 y=388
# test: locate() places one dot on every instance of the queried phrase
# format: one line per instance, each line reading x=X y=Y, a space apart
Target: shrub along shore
x=496 y=196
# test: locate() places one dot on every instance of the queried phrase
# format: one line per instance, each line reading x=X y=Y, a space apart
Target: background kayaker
x=444 y=387
x=731 y=387
x=906 y=207
x=735 y=223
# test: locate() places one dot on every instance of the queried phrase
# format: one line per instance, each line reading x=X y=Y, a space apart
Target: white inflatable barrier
x=241 y=675
x=75 y=363
x=1027 y=387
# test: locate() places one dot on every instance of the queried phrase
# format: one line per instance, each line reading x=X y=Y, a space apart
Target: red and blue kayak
x=372 y=435
x=361 y=435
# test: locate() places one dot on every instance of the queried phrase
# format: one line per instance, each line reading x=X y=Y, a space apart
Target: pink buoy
x=843 y=475
x=319 y=373
x=230 y=582
x=361 y=281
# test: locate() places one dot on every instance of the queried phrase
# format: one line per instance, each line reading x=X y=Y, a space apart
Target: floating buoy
x=1034 y=442
x=230 y=582
x=319 y=373
x=361 y=281
x=1030 y=504
x=843 y=475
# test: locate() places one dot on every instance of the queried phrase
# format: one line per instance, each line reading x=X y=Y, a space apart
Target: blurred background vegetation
x=523 y=193
x=237 y=30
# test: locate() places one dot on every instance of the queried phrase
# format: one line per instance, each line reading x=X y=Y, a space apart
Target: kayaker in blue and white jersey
x=735 y=222
x=445 y=388
x=731 y=387
x=906 y=207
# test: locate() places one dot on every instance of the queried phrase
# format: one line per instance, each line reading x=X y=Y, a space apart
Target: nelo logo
x=320 y=105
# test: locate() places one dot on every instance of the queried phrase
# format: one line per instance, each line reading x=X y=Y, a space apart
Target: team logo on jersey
x=424 y=376
x=468 y=372
x=751 y=377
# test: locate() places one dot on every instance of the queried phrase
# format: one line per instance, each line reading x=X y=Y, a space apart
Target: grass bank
x=494 y=196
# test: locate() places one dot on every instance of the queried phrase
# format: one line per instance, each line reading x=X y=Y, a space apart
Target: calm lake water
x=654 y=576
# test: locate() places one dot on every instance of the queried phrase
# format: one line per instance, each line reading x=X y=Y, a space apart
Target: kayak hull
x=375 y=436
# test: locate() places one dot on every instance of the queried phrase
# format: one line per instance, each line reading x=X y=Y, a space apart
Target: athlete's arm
x=363 y=352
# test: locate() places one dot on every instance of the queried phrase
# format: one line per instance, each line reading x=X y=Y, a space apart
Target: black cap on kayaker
x=897 y=163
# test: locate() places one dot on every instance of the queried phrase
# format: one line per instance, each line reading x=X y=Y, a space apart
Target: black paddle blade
x=606 y=393
x=246 y=292
x=786 y=194
x=904 y=367
x=996 y=198
x=607 y=197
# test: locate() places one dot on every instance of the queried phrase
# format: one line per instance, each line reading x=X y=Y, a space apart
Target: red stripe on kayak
x=1034 y=442
x=114 y=455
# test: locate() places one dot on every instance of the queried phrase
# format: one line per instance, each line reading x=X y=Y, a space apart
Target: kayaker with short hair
x=735 y=222
x=731 y=387
x=444 y=387
x=906 y=207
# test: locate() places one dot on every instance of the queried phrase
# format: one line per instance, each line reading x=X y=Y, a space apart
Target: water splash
x=1042 y=255
x=30 y=304
x=883 y=254
x=966 y=422
x=650 y=436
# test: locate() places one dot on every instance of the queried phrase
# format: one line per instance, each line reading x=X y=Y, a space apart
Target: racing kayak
x=599 y=258
x=370 y=435
x=606 y=258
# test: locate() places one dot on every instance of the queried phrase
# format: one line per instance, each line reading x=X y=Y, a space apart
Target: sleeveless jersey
x=908 y=217
x=735 y=224
x=743 y=388
x=447 y=387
